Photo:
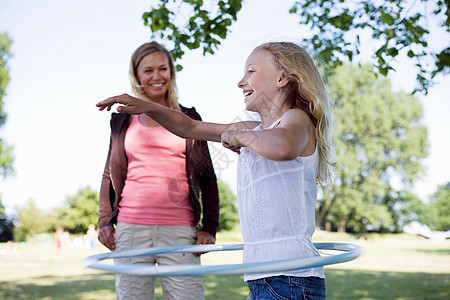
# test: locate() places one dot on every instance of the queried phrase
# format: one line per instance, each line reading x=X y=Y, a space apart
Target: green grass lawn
x=390 y=267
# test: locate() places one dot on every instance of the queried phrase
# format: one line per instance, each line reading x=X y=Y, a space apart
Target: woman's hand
x=204 y=238
x=106 y=237
x=130 y=104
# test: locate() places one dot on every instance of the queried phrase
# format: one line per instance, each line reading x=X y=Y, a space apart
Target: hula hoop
x=350 y=252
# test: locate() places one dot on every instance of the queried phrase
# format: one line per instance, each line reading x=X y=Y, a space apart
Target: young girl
x=281 y=159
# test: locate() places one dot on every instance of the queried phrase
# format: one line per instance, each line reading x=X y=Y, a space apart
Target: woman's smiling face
x=153 y=74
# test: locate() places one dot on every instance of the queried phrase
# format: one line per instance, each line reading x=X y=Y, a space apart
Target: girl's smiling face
x=260 y=80
x=153 y=73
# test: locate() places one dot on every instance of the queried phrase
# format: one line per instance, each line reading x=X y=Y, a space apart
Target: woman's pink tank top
x=156 y=190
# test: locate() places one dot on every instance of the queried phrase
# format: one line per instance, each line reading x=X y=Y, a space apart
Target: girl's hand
x=229 y=140
x=129 y=104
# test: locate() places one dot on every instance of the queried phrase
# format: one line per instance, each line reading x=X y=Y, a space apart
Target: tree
x=437 y=213
x=228 y=214
x=399 y=25
x=204 y=28
x=6 y=158
x=379 y=140
x=32 y=221
x=79 y=211
x=409 y=209
x=6 y=225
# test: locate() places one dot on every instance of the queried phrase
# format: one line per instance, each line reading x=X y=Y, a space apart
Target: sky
x=69 y=55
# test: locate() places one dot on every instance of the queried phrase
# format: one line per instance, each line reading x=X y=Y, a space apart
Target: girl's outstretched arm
x=173 y=120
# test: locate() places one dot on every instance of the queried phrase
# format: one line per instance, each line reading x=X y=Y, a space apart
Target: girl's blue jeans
x=287 y=287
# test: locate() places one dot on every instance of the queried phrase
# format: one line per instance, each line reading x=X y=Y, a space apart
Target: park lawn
x=390 y=267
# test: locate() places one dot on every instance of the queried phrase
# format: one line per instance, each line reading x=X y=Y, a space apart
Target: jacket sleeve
x=105 y=196
x=209 y=193
x=208 y=186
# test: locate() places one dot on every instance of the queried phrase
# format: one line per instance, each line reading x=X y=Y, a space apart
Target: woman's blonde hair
x=307 y=91
x=139 y=54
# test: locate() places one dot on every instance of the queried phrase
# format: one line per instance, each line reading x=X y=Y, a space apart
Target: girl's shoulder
x=295 y=115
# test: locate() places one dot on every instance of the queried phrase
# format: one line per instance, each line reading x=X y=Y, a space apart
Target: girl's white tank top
x=276 y=203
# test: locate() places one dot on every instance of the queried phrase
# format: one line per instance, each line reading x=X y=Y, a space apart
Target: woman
x=152 y=182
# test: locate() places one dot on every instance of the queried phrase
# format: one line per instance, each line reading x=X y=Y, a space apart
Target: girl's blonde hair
x=139 y=54
x=307 y=91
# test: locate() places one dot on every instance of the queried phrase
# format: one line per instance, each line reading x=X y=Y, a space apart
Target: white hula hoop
x=350 y=252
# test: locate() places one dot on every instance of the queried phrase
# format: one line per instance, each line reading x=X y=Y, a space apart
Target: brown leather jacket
x=199 y=169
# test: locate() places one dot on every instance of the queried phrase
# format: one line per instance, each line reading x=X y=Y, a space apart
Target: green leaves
x=79 y=210
x=6 y=155
x=6 y=159
x=438 y=210
x=202 y=29
x=389 y=21
x=32 y=221
x=228 y=217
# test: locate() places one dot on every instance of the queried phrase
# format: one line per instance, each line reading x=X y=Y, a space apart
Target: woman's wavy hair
x=307 y=91
x=139 y=54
